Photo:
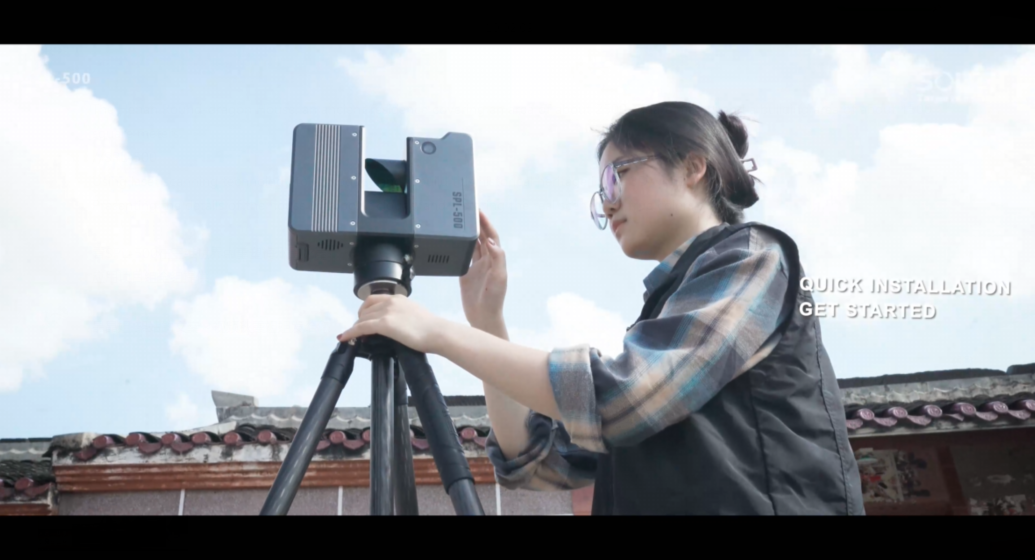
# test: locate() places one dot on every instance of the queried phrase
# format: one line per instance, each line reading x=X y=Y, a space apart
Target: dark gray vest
x=772 y=441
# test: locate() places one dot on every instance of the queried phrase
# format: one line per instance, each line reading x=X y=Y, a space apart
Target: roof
x=962 y=399
x=1020 y=368
x=919 y=377
x=246 y=432
x=26 y=477
x=23 y=449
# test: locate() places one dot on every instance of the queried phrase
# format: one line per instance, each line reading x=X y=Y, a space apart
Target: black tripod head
x=382 y=266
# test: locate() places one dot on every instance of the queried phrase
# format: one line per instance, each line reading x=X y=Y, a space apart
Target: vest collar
x=657 y=276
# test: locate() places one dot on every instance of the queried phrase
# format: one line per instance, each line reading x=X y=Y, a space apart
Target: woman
x=723 y=400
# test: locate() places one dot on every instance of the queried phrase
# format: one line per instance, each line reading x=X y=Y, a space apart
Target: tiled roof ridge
x=30 y=451
x=243 y=434
x=25 y=476
x=26 y=489
x=920 y=415
x=876 y=404
x=918 y=377
x=1000 y=400
x=1021 y=368
x=462 y=419
x=457 y=400
x=25 y=449
x=940 y=390
x=988 y=399
x=13 y=470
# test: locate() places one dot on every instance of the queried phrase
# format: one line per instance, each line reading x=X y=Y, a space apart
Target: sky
x=144 y=201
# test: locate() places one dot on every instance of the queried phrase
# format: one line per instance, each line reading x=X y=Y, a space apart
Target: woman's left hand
x=399 y=318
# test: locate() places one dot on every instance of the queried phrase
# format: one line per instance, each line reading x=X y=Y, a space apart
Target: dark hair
x=674 y=130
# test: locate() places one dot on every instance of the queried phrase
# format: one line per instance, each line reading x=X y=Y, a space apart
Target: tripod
x=380 y=270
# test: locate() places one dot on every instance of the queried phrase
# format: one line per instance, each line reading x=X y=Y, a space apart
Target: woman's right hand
x=484 y=286
x=482 y=290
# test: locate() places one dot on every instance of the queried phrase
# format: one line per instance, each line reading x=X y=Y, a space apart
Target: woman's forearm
x=506 y=415
x=518 y=372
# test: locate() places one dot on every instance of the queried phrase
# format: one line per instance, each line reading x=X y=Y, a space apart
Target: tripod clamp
x=383 y=267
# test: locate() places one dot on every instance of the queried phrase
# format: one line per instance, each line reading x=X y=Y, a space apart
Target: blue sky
x=143 y=216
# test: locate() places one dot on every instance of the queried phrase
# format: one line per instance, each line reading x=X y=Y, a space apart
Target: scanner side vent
x=330 y=244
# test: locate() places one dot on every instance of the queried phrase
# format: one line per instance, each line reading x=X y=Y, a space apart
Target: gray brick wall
x=431 y=500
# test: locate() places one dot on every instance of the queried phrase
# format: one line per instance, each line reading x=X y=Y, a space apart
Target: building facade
x=935 y=443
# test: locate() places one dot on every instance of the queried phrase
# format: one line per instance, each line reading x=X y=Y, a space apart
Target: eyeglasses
x=610 y=189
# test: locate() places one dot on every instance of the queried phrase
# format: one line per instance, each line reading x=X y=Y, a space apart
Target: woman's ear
x=695 y=168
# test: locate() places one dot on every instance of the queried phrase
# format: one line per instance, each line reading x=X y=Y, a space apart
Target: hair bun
x=741 y=191
x=745 y=196
x=736 y=131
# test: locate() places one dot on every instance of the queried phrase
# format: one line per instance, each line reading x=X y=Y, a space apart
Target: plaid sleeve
x=726 y=310
x=550 y=462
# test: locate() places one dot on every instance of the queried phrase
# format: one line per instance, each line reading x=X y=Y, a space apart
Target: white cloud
x=798 y=183
x=939 y=202
x=84 y=228
x=184 y=414
x=856 y=78
x=521 y=104
x=246 y=337
x=575 y=320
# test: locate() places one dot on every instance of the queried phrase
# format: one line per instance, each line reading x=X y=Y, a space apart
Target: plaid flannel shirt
x=720 y=322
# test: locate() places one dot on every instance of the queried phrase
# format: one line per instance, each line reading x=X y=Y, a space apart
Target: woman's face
x=653 y=208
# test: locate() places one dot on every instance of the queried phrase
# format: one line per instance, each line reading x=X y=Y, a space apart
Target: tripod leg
x=335 y=376
x=383 y=394
x=405 y=485
x=445 y=444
